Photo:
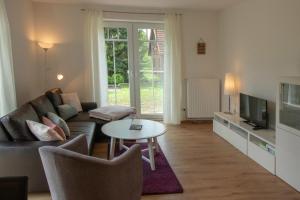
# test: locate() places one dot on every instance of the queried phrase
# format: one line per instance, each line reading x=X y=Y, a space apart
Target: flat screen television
x=254 y=110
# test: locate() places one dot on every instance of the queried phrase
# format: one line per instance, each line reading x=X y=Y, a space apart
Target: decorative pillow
x=50 y=124
x=72 y=99
x=67 y=111
x=43 y=132
x=59 y=122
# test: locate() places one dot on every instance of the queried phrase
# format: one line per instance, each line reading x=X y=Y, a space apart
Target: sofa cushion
x=72 y=99
x=67 y=111
x=42 y=105
x=87 y=128
x=15 y=123
x=4 y=137
x=59 y=130
x=54 y=97
x=59 y=122
x=84 y=117
x=82 y=127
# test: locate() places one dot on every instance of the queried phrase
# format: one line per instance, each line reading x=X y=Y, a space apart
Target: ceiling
x=164 y=4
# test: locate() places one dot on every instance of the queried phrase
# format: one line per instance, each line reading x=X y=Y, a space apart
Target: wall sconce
x=60 y=77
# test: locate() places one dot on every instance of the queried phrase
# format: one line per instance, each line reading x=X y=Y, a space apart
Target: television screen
x=254 y=110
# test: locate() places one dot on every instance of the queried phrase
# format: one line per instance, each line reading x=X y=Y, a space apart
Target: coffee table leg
x=151 y=154
x=112 y=148
x=156 y=145
x=121 y=142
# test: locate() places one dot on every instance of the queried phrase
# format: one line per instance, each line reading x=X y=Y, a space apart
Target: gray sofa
x=54 y=96
x=19 y=147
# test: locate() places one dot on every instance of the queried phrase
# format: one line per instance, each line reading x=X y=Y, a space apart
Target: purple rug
x=161 y=181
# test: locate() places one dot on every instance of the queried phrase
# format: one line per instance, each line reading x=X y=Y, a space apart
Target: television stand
x=258 y=145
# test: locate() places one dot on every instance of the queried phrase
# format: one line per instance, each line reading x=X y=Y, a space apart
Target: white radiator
x=203 y=98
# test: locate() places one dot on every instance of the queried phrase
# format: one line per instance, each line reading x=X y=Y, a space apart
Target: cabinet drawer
x=237 y=141
x=230 y=136
x=262 y=157
x=220 y=129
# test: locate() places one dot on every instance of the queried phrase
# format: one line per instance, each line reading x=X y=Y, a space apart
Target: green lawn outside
x=151 y=98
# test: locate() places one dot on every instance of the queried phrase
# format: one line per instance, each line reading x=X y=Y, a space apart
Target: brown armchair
x=76 y=176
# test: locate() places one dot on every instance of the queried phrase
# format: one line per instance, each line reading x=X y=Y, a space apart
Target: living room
x=187 y=73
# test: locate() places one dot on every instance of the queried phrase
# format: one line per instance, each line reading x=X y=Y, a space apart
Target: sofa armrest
x=87 y=106
x=22 y=159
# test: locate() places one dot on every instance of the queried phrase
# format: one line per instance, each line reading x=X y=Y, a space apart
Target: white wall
x=260 y=41
x=198 y=25
x=63 y=24
x=20 y=16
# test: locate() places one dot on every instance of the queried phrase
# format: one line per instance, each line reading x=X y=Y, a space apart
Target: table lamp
x=229 y=88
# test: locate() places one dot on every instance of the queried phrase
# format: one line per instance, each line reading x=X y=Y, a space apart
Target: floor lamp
x=229 y=88
x=45 y=46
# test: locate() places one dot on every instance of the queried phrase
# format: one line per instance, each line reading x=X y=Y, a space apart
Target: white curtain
x=7 y=83
x=96 y=67
x=173 y=74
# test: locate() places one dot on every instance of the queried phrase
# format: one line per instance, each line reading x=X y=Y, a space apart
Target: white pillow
x=72 y=99
x=43 y=132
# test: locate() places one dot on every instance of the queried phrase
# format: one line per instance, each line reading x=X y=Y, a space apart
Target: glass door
x=118 y=43
x=135 y=53
x=149 y=55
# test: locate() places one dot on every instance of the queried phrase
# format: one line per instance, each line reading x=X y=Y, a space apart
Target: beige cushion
x=43 y=132
x=72 y=99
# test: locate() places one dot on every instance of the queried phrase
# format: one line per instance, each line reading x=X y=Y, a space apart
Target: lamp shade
x=229 y=85
x=45 y=45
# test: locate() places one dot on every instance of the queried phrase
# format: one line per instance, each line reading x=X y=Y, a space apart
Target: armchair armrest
x=87 y=106
x=78 y=145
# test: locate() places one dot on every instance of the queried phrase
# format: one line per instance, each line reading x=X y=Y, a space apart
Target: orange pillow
x=50 y=124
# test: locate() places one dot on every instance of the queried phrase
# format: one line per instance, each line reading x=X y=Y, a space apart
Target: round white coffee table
x=120 y=130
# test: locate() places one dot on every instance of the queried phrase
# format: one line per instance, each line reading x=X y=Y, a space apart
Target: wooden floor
x=210 y=168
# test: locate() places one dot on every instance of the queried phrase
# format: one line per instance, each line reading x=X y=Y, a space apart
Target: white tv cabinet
x=288 y=131
x=259 y=145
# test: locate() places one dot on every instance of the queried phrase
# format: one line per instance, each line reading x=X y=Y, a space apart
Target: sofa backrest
x=42 y=105
x=15 y=123
x=4 y=137
x=55 y=98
